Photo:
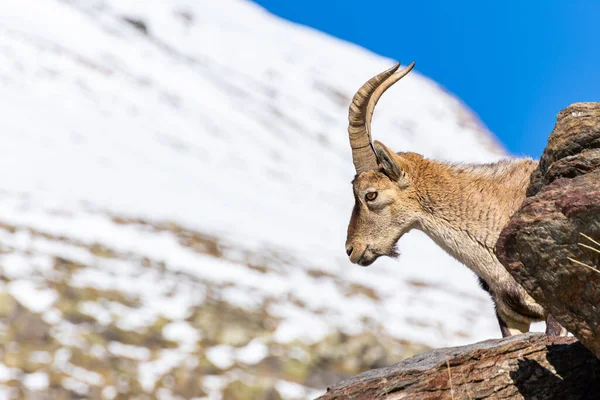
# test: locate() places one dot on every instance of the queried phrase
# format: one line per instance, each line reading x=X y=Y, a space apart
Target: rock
x=573 y=144
x=530 y=366
x=539 y=243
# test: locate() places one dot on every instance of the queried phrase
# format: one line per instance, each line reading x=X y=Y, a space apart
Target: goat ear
x=390 y=163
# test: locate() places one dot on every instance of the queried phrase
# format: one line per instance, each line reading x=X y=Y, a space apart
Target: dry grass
x=597 y=250
x=591 y=240
x=583 y=265
x=450 y=378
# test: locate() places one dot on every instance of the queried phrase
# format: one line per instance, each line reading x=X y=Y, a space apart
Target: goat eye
x=371 y=196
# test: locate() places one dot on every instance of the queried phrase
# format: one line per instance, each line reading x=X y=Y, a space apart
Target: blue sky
x=516 y=63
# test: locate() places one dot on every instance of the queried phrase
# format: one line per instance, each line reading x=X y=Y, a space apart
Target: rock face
x=558 y=226
x=530 y=366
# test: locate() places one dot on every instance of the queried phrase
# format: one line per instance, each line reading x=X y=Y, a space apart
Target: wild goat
x=462 y=208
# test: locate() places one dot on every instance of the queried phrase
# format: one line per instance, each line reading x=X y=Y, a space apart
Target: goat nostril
x=349 y=250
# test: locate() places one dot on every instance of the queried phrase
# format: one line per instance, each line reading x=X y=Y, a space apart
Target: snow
x=7 y=374
x=222 y=356
x=26 y=293
x=181 y=332
x=129 y=351
x=182 y=183
x=43 y=357
x=291 y=390
x=52 y=316
x=149 y=372
x=109 y=393
x=233 y=125
x=75 y=385
x=100 y=313
x=36 y=381
x=253 y=352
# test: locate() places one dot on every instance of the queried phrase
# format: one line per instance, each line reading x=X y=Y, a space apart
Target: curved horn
x=381 y=90
x=361 y=113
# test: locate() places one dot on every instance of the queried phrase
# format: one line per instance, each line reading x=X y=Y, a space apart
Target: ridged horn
x=361 y=113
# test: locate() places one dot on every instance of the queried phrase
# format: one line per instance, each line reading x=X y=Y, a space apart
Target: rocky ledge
x=530 y=366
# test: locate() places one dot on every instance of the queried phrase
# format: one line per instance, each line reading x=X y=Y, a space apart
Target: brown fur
x=462 y=208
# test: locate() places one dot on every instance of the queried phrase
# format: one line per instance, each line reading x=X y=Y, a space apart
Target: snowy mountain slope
x=169 y=166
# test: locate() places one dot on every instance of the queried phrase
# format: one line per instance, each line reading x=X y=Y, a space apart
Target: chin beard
x=394 y=252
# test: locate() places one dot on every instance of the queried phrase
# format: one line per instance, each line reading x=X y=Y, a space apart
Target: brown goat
x=462 y=208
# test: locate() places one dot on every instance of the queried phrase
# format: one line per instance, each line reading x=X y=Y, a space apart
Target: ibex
x=462 y=208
